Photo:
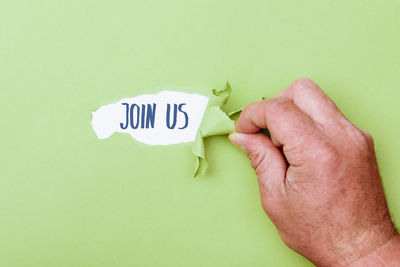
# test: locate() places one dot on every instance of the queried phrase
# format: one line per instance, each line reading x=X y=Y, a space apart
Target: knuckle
x=302 y=83
x=278 y=105
x=246 y=110
x=368 y=136
x=303 y=80
x=251 y=108
x=329 y=155
x=362 y=139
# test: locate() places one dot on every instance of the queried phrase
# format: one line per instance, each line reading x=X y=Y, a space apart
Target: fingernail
x=237 y=139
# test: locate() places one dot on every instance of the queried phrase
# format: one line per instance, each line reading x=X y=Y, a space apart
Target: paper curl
x=215 y=122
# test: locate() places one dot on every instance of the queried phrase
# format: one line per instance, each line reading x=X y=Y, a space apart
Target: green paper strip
x=215 y=122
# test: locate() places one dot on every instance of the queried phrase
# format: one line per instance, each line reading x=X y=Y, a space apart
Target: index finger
x=284 y=120
x=310 y=98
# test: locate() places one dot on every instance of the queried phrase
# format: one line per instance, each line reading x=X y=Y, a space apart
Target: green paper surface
x=215 y=122
x=69 y=199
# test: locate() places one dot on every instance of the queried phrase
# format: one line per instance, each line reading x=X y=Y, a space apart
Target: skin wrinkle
x=319 y=179
x=376 y=248
x=256 y=159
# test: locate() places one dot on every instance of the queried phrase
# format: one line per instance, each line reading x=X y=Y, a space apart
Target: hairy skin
x=319 y=180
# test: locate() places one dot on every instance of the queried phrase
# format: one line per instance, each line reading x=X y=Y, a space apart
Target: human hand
x=318 y=178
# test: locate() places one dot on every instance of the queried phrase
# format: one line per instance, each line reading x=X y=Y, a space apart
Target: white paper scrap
x=168 y=117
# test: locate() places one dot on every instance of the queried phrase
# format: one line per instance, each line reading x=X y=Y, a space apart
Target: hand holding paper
x=318 y=179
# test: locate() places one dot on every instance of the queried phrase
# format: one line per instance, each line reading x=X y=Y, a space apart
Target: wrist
x=388 y=254
x=377 y=246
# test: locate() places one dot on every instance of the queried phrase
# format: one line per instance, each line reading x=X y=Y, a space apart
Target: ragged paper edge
x=215 y=122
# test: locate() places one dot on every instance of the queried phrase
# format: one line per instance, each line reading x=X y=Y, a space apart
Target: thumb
x=266 y=159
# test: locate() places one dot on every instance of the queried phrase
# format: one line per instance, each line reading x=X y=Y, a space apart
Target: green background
x=69 y=199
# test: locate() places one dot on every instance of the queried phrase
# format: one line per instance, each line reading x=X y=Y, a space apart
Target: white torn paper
x=168 y=117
